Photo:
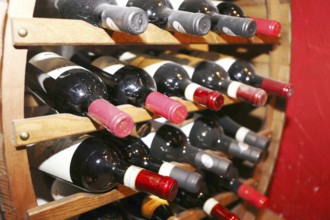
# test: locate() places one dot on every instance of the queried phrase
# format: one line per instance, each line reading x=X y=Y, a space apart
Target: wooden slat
x=59 y=32
x=76 y=204
x=49 y=127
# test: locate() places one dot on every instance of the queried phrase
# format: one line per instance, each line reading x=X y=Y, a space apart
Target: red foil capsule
x=279 y=88
x=267 y=27
x=161 y=186
x=252 y=196
x=113 y=119
x=172 y=110
x=212 y=99
x=213 y=208
x=250 y=94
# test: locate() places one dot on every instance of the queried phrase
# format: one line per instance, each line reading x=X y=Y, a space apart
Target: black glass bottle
x=105 y=14
x=243 y=71
x=224 y=24
x=69 y=88
x=206 y=133
x=204 y=200
x=129 y=84
x=161 y=13
x=134 y=151
x=264 y=26
x=169 y=143
x=93 y=165
x=172 y=79
x=213 y=76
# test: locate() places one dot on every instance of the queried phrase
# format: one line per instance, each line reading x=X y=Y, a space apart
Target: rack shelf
x=21 y=31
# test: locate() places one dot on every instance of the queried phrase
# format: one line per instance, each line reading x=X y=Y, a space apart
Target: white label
x=53 y=64
x=232 y=89
x=243 y=146
x=127 y=56
x=111 y=24
x=187 y=128
x=226 y=63
x=166 y=169
x=216 y=3
x=228 y=31
x=130 y=176
x=147 y=140
x=176 y=3
x=209 y=205
x=108 y=64
x=241 y=134
x=207 y=161
x=190 y=91
x=59 y=163
x=60 y=189
x=152 y=69
x=178 y=27
x=190 y=70
x=122 y=3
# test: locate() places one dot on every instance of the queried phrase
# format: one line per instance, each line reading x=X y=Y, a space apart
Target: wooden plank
x=59 y=32
x=49 y=127
x=76 y=204
x=15 y=177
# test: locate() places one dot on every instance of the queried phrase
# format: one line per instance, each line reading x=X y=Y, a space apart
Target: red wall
x=301 y=183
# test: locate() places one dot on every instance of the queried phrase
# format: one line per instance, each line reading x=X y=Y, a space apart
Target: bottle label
x=190 y=91
x=149 y=204
x=176 y=4
x=55 y=157
x=233 y=88
x=149 y=64
x=187 y=128
x=207 y=161
x=241 y=134
x=110 y=24
x=147 y=140
x=178 y=27
x=209 y=205
x=166 y=169
x=226 y=63
x=108 y=64
x=53 y=64
x=122 y=3
x=216 y=3
x=131 y=175
x=243 y=146
x=227 y=31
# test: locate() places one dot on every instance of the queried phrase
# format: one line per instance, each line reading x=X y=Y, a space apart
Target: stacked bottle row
x=91 y=84
x=196 y=17
x=98 y=162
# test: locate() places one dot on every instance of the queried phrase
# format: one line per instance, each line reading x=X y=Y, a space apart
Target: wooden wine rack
x=21 y=31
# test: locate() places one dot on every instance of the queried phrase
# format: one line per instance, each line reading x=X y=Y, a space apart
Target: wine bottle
x=169 y=143
x=146 y=206
x=223 y=24
x=240 y=132
x=243 y=71
x=204 y=200
x=264 y=26
x=172 y=80
x=105 y=14
x=206 y=133
x=91 y=164
x=128 y=84
x=232 y=183
x=213 y=76
x=135 y=152
x=69 y=88
x=161 y=14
